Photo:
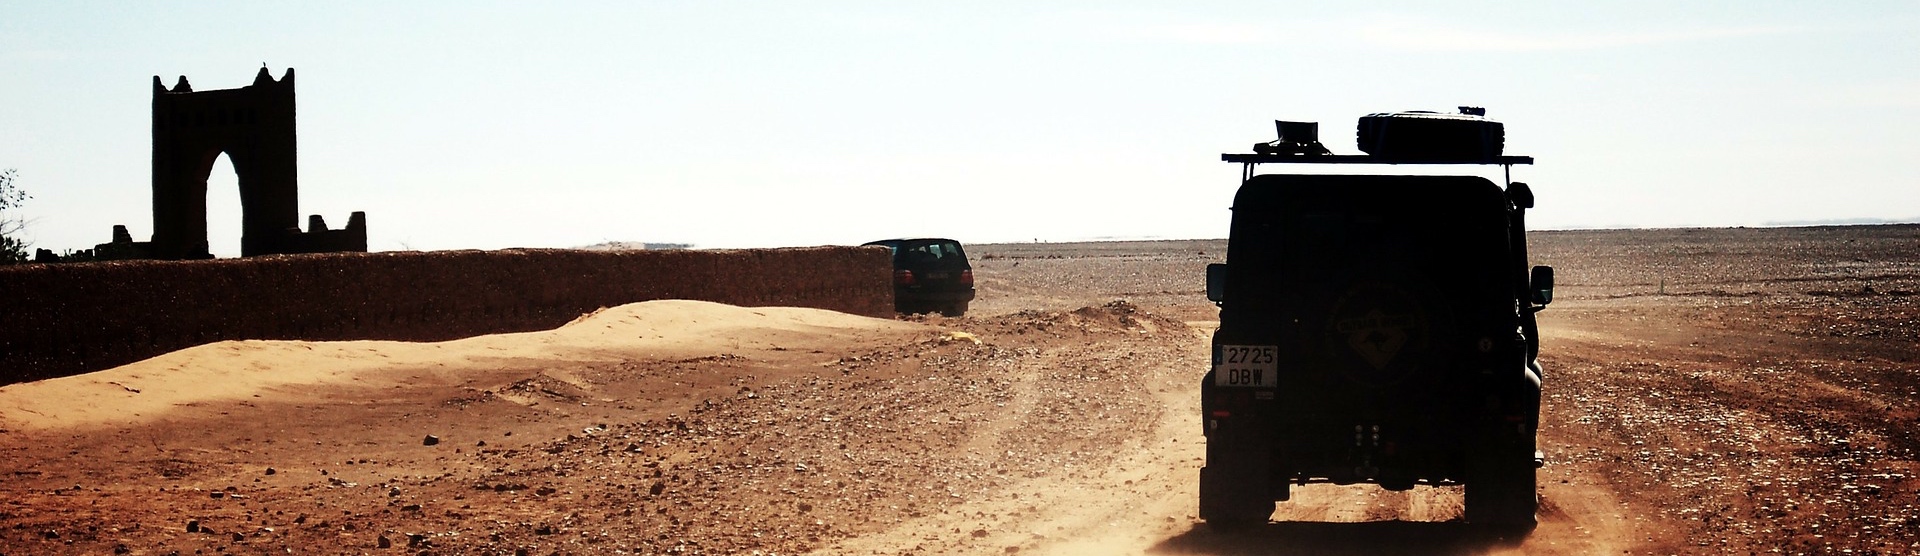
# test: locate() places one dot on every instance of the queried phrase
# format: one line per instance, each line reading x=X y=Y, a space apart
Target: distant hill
x=1843 y=222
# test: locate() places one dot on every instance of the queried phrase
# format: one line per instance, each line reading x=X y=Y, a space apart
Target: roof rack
x=1249 y=161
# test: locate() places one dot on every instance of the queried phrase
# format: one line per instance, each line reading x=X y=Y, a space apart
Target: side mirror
x=1542 y=281
x=1520 y=194
x=1216 y=282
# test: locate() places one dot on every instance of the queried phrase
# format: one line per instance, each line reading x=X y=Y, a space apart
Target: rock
x=271 y=471
x=193 y=526
x=431 y=440
x=239 y=537
x=395 y=491
x=384 y=542
x=979 y=533
x=657 y=488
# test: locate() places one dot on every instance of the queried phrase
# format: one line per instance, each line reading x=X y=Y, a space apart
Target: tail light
x=966 y=277
x=903 y=277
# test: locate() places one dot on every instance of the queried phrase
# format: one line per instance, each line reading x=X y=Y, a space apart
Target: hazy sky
x=750 y=124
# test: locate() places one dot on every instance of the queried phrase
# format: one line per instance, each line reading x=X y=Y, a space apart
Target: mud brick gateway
x=254 y=126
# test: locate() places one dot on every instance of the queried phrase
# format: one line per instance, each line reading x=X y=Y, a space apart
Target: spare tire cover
x=1380 y=332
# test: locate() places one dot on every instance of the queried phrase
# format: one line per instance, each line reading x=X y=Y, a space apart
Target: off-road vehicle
x=1375 y=329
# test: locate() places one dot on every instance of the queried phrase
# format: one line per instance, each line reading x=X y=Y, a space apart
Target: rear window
x=931 y=254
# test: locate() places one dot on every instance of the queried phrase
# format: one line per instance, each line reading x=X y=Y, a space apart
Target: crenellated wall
x=66 y=319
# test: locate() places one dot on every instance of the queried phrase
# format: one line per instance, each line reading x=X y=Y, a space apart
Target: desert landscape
x=1708 y=391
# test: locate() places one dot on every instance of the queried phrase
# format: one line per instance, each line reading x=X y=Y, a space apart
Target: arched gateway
x=254 y=126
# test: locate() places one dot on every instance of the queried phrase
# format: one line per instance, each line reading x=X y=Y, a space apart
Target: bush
x=13 y=250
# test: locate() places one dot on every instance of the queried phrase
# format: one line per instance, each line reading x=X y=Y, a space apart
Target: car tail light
x=966 y=277
x=903 y=277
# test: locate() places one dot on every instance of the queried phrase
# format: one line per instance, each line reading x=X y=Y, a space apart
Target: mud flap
x=1229 y=502
x=1235 y=485
x=1502 y=494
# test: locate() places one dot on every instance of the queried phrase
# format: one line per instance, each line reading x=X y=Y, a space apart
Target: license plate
x=1247 y=366
x=937 y=275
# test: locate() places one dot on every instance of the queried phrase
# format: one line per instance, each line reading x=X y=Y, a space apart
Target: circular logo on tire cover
x=1380 y=332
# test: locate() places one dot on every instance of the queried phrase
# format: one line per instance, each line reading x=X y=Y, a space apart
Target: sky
x=486 y=125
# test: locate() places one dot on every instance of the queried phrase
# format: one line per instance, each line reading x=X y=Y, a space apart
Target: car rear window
x=932 y=254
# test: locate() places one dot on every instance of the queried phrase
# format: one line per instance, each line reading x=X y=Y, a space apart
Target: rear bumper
x=944 y=296
x=1432 y=441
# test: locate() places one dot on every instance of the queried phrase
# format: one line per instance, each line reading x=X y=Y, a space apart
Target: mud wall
x=65 y=319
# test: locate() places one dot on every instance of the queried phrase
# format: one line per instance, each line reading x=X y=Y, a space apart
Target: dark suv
x=930 y=275
x=1374 y=329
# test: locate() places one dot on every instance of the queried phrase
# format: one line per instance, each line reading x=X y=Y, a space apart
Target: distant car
x=930 y=275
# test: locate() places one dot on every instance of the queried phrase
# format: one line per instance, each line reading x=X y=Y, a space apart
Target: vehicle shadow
x=1372 y=538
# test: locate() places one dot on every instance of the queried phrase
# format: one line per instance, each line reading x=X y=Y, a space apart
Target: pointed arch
x=226 y=211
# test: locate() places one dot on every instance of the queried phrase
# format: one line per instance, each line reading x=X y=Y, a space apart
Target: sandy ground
x=1709 y=391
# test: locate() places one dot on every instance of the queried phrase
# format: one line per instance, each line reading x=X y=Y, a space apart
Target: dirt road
x=1710 y=391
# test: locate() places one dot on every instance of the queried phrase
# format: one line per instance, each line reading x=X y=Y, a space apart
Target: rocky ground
x=1708 y=391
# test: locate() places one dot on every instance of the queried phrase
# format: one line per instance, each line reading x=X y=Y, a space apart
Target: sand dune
x=237 y=370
